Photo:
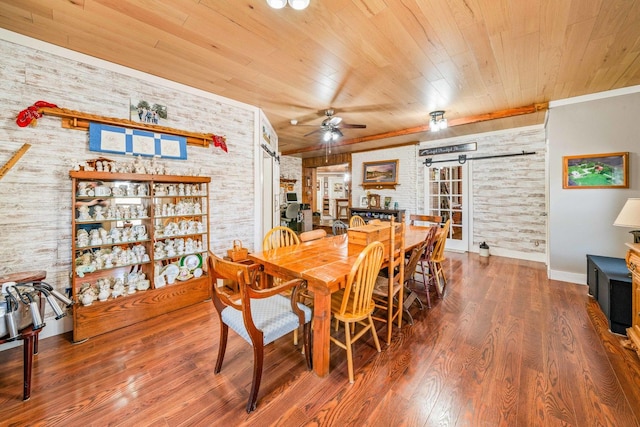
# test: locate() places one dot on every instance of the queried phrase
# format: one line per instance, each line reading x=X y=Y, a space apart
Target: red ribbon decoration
x=220 y=141
x=31 y=115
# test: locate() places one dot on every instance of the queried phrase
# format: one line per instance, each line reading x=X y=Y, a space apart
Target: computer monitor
x=292 y=198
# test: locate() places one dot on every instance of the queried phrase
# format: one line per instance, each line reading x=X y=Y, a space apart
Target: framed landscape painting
x=609 y=170
x=384 y=172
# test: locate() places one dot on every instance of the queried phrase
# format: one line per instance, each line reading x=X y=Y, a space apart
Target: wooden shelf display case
x=139 y=244
x=633 y=263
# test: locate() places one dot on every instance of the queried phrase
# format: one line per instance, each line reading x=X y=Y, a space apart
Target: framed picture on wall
x=364 y=202
x=608 y=170
x=384 y=172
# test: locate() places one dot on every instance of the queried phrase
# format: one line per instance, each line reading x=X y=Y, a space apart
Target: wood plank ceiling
x=383 y=63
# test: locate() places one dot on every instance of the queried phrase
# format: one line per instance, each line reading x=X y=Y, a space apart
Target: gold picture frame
x=608 y=170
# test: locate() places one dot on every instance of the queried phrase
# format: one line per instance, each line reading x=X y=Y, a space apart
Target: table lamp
x=629 y=217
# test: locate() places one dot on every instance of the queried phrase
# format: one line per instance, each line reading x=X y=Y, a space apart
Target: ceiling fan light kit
x=295 y=4
x=331 y=125
x=437 y=122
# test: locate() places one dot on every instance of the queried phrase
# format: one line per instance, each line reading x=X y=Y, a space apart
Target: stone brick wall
x=36 y=209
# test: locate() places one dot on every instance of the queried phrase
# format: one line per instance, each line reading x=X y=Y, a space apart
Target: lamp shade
x=299 y=4
x=629 y=216
x=277 y=4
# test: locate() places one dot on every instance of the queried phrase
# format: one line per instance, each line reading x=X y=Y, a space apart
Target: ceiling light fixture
x=437 y=122
x=295 y=4
x=330 y=135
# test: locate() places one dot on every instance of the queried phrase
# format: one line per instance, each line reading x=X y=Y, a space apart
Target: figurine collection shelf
x=139 y=244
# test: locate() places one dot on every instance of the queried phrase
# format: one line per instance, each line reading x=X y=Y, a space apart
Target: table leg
x=27 y=364
x=321 y=331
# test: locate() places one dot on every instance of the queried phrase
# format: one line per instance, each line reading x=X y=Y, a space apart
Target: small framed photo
x=326 y=184
x=364 y=202
x=374 y=201
x=609 y=170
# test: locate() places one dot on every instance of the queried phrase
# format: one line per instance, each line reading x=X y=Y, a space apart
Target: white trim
x=463 y=138
x=566 y=276
x=527 y=256
x=258 y=205
x=12 y=37
x=595 y=96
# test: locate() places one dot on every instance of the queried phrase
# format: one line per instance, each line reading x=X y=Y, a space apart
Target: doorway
x=447 y=196
x=332 y=190
x=321 y=193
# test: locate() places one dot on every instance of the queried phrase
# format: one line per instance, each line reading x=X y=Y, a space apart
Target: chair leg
x=438 y=271
x=347 y=341
x=224 y=331
x=258 y=356
x=375 y=335
x=426 y=282
x=295 y=337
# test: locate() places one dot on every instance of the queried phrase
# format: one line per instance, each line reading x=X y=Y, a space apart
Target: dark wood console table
x=28 y=335
x=610 y=284
x=384 y=214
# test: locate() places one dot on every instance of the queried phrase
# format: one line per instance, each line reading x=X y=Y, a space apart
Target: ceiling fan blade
x=313 y=131
x=351 y=126
x=334 y=121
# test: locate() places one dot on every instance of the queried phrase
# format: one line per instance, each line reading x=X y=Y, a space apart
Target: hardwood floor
x=505 y=347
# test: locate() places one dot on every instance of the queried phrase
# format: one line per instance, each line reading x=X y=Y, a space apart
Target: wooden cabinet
x=326 y=206
x=383 y=214
x=633 y=263
x=139 y=244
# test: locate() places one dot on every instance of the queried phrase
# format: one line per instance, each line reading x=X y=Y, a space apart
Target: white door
x=270 y=206
x=447 y=196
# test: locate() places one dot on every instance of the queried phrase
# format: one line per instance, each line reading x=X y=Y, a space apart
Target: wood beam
x=501 y=114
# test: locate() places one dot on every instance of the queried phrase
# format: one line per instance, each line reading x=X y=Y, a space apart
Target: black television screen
x=292 y=197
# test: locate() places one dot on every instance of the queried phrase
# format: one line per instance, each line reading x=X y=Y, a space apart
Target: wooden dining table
x=325 y=265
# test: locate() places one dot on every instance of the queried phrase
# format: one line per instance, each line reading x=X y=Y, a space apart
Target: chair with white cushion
x=259 y=316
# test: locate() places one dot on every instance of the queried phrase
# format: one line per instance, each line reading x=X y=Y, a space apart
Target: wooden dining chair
x=388 y=292
x=437 y=258
x=354 y=304
x=338 y=227
x=278 y=237
x=356 y=221
x=425 y=219
x=374 y=222
x=310 y=235
x=409 y=279
x=259 y=316
x=425 y=269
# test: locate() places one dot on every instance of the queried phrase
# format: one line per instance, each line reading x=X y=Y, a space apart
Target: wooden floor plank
x=505 y=346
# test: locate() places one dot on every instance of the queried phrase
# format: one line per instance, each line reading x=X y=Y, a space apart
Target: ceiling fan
x=330 y=127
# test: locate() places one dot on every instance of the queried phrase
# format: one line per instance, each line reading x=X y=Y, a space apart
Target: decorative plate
x=192 y=261
x=170 y=270
x=185 y=274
